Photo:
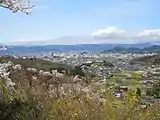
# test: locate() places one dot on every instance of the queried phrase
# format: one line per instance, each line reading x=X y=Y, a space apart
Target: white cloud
x=152 y=34
x=109 y=33
x=117 y=35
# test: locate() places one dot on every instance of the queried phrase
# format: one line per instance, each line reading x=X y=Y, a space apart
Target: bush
x=138 y=92
x=154 y=91
x=77 y=71
x=16 y=109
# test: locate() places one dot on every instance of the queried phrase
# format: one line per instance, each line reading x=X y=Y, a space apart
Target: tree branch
x=17 y=5
x=4 y=6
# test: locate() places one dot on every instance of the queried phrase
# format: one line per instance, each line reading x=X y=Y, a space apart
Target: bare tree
x=24 y=6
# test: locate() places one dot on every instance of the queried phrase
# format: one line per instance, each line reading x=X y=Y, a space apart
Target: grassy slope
x=155 y=59
x=38 y=63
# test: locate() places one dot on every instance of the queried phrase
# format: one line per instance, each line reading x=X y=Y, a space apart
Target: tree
x=77 y=71
x=156 y=90
x=17 y=5
x=138 y=92
x=149 y=92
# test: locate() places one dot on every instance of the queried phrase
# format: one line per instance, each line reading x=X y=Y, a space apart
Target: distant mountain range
x=140 y=47
x=119 y=49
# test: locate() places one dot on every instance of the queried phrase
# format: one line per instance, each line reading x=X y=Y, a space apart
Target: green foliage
x=4 y=91
x=77 y=71
x=154 y=59
x=17 y=109
x=104 y=63
x=37 y=104
x=154 y=91
x=138 y=92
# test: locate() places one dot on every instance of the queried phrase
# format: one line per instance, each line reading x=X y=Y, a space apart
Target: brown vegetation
x=48 y=98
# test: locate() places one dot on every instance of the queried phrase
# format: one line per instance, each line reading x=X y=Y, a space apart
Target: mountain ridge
x=18 y=49
x=118 y=49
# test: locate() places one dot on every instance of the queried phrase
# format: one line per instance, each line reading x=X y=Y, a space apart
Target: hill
x=147 y=60
x=45 y=65
x=21 y=49
x=119 y=49
x=100 y=64
x=38 y=63
x=154 y=48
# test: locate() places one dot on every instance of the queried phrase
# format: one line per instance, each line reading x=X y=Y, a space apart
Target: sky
x=83 y=22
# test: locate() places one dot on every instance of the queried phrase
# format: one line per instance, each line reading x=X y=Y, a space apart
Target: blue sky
x=83 y=21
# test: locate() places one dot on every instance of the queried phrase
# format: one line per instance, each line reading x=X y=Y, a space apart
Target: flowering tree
x=17 y=5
